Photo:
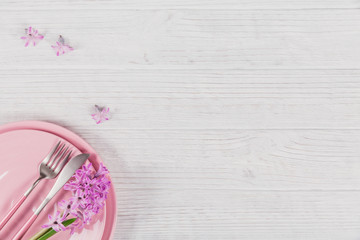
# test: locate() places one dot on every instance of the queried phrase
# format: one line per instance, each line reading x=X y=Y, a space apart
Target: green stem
x=43 y=235
x=40 y=233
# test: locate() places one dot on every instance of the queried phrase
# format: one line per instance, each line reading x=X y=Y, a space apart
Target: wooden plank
x=203 y=214
x=20 y=5
x=186 y=99
x=207 y=39
x=229 y=159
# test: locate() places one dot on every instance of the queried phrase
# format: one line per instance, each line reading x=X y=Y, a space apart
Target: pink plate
x=23 y=145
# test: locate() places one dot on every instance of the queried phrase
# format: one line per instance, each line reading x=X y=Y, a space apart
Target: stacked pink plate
x=23 y=145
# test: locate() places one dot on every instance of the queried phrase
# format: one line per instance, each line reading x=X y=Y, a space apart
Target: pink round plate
x=23 y=145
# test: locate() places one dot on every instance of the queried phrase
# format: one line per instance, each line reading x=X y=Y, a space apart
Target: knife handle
x=18 y=203
x=26 y=227
x=12 y=211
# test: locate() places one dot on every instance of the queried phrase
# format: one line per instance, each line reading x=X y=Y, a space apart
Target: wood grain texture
x=315 y=38
x=231 y=119
x=188 y=98
x=176 y=4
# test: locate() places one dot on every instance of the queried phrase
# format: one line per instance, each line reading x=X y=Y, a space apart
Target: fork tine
x=56 y=155
x=47 y=158
x=62 y=164
x=56 y=161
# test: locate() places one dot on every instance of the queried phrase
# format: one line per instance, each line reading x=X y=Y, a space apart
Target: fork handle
x=25 y=228
x=33 y=186
x=12 y=211
x=18 y=204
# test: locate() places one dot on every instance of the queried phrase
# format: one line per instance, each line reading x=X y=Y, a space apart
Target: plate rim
x=79 y=143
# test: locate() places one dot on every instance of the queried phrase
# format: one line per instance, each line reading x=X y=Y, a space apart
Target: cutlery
x=49 y=168
x=68 y=171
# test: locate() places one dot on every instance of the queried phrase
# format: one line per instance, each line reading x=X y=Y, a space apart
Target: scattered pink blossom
x=32 y=36
x=90 y=189
x=101 y=114
x=60 y=47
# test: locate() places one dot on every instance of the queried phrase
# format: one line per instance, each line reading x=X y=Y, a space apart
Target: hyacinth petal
x=46 y=225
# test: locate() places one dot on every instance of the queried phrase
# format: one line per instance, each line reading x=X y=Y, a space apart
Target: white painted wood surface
x=231 y=119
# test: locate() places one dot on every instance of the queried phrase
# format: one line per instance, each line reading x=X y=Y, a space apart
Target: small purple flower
x=102 y=170
x=55 y=221
x=60 y=47
x=32 y=36
x=68 y=207
x=101 y=114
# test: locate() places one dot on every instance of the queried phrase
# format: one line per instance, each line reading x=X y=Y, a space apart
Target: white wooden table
x=231 y=119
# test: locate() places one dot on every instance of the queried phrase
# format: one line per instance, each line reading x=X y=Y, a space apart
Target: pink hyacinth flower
x=32 y=36
x=90 y=189
x=101 y=114
x=55 y=221
x=61 y=48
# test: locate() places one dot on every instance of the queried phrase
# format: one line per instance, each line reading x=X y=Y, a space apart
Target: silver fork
x=49 y=168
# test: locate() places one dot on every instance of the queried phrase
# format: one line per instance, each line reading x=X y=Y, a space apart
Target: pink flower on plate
x=90 y=190
x=68 y=207
x=61 y=48
x=101 y=114
x=55 y=221
x=101 y=171
x=32 y=36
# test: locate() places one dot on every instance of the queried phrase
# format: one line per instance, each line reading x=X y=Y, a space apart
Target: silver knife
x=64 y=176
